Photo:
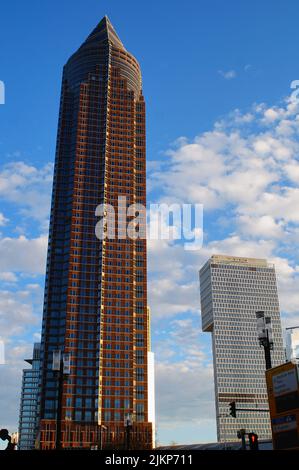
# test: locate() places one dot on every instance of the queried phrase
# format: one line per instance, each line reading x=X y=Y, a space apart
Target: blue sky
x=218 y=75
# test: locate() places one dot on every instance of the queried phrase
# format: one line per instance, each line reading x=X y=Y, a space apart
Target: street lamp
x=62 y=365
x=265 y=335
x=101 y=436
x=128 y=426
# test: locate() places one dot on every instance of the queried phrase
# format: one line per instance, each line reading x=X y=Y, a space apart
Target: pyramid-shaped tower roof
x=104 y=31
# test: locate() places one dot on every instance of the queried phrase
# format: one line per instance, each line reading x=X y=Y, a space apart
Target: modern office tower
x=292 y=343
x=95 y=305
x=28 y=419
x=232 y=289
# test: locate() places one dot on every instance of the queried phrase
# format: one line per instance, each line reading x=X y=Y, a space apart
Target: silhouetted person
x=6 y=437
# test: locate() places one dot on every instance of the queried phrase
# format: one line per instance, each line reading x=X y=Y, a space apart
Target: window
x=127 y=404
x=88 y=402
x=78 y=402
x=69 y=402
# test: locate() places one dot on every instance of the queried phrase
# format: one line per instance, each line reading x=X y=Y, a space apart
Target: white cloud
x=16 y=313
x=243 y=171
x=228 y=75
x=272 y=114
x=11 y=376
x=250 y=169
x=8 y=276
x=193 y=399
x=33 y=286
x=23 y=254
x=189 y=372
x=265 y=227
x=3 y=220
x=28 y=187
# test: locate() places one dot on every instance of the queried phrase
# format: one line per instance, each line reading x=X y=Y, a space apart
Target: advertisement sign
x=285 y=382
x=283 y=395
x=56 y=360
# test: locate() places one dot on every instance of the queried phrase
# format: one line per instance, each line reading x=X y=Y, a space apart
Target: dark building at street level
x=95 y=305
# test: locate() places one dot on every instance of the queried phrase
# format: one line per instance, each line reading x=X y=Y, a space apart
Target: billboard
x=283 y=395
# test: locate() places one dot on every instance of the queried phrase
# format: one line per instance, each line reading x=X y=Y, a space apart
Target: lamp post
x=265 y=336
x=101 y=436
x=128 y=426
x=61 y=364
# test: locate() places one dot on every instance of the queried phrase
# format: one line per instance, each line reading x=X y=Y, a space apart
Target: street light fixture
x=265 y=335
x=62 y=365
x=102 y=427
x=128 y=425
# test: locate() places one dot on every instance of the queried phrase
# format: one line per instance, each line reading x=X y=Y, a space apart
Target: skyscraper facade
x=29 y=407
x=95 y=305
x=232 y=289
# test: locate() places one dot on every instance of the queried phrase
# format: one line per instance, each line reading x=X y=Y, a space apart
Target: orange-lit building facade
x=95 y=305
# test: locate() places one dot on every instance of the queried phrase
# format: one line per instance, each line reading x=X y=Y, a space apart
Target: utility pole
x=265 y=336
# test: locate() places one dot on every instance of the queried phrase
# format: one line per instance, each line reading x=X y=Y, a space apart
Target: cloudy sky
x=223 y=131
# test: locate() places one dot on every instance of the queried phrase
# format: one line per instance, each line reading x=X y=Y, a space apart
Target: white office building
x=232 y=290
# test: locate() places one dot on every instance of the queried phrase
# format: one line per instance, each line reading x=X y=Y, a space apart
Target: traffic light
x=253 y=441
x=232 y=409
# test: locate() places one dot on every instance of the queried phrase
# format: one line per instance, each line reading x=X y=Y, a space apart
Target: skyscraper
x=95 y=305
x=232 y=289
x=28 y=419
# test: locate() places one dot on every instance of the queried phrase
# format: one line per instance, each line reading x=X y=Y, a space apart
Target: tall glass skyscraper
x=95 y=305
x=29 y=409
x=232 y=290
